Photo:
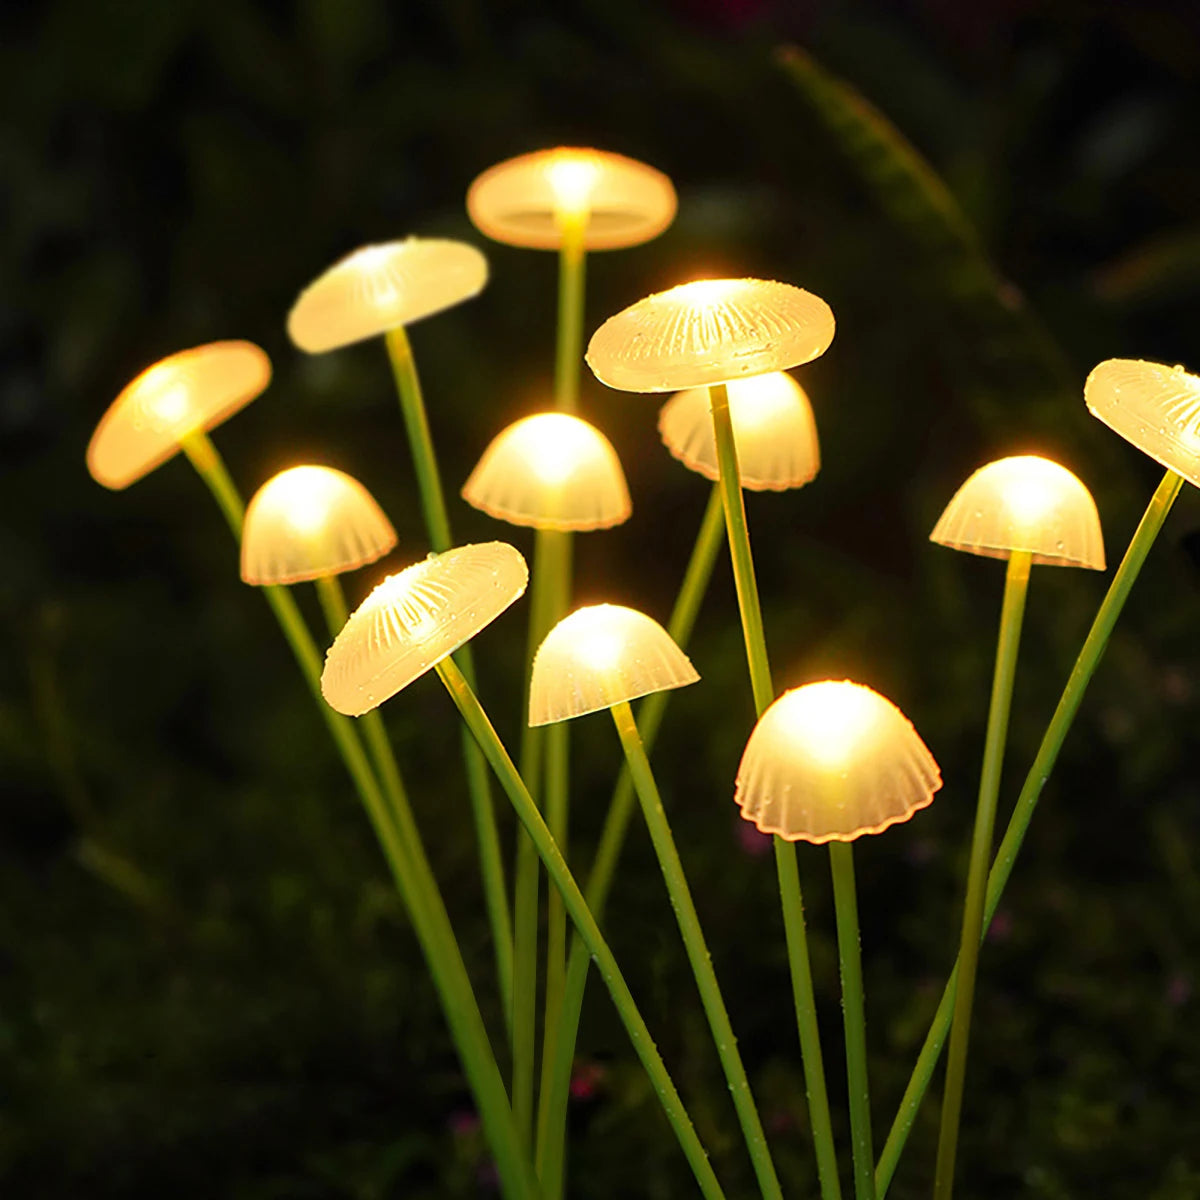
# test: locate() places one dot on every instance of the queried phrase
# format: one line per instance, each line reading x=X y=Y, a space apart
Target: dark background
x=207 y=986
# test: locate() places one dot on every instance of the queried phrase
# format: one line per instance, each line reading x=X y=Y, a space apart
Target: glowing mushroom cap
x=526 y=201
x=307 y=522
x=416 y=618
x=832 y=761
x=184 y=393
x=1024 y=503
x=773 y=429
x=710 y=331
x=599 y=656
x=382 y=287
x=551 y=471
x=1154 y=406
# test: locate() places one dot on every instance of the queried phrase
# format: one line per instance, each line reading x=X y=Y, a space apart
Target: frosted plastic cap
x=1024 y=503
x=184 y=393
x=599 y=656
x=710 y=331
x=832 y=761
x=413 y=620
x=550 y=471
x=1154 y=406
x=378 y=288
x=307 y=522
x=773 y=429
x=526 y=201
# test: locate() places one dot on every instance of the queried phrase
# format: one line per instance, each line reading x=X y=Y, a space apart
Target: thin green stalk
x=556 y=1074
x=1012 y=611
x=423 y=902
x=785 y=852
x=1047 y=755
x=572 y=268
x=560 y=875
x=437 y=523
x=697 y=949
x=845 y=899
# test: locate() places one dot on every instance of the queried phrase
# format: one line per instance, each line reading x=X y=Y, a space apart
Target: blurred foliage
x=206 y=985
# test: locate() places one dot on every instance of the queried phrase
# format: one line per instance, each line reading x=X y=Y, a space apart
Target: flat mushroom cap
x=832 y=761
x=550 y=471
x=710 y=331
x=308 y=522
x=1154 y=406
x=597 y=657
x=416 y=618
x=382 y=287
x=773 y=429
x=526 y=201
x=1024 y=503
x=187 y=392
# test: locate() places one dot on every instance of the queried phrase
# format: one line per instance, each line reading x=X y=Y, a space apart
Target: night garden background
x=207 y=984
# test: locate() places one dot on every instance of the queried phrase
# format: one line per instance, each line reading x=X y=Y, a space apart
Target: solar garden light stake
x=705 y=334
x=411 y=623
x=378 y=291
x=601 y=657
x=169 y=407
x=1026 y=510
x=1157 y=408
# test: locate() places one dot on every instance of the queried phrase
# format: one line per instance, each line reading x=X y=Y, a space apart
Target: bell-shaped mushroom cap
x=378 y=288
x=773 y=429
x=188 y=392
x=526 y=201
x=1024 y=503
x=550 y=471
x=710 y=331
x=307 y=522
x=832 y=761
x=416 y=618
x=597 y=657
x=1154 y=406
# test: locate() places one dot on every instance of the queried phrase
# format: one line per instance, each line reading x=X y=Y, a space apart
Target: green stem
x=1018 y=824
x=423 y=903
x=552 y=1100
x=1012 y=611
x=572 y=261
x=841 y=862
x=560 y=875
x=437 y=523
x=697 y=949
x=785 y=860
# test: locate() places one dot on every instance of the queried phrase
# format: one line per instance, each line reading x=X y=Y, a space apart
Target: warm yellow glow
x=416 y=618
x=377 y=288
x=710 y=331
x=598 y=656
x=1152 y=405
x=606 y=200
x=182 y=394
x=832 y=761
x=311 y=521
x=1024 y=503
x=773 y=429
x=550 y=471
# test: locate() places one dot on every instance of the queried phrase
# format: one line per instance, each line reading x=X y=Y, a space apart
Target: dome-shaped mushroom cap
x=773 y=429
x=188 y=392
x=378 y=288
x=710 y=331
x=597 y=657
x=550 y=471
x=1024 y=503
x=832 y=761
x=307 y=522
x=1154 y=406
x=524 y=201
x=416 y=618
